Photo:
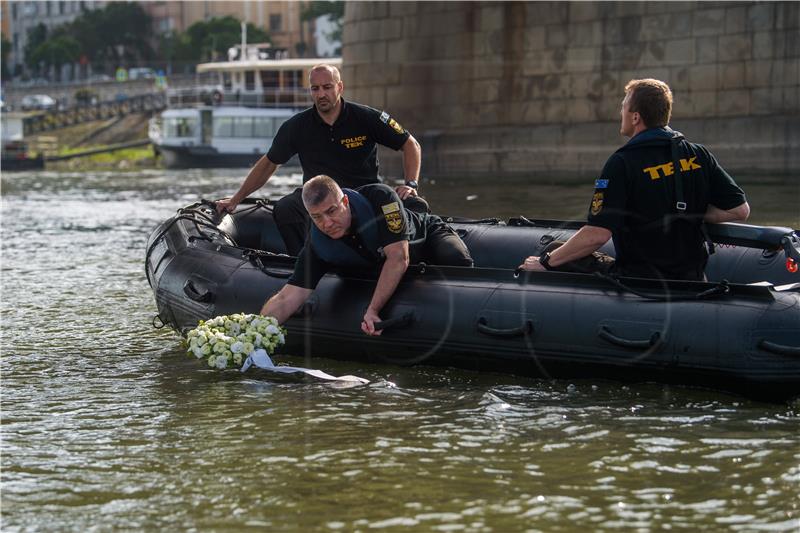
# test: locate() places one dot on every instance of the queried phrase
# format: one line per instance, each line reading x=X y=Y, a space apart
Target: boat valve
x=791 y=245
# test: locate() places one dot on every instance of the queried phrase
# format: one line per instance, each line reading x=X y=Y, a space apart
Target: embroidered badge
x=397 y=127
x=394 y=219
x=600 y=184
x=384 y=117
x=597 y=203
x=390 y=208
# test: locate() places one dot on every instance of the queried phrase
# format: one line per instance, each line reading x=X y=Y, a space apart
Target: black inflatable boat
x=738 y=332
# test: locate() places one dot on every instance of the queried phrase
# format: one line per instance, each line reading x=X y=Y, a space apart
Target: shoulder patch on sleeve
x=601 y=184
x=396 y=126
x=394 y=218
x=597 y=203
x=390 y=208
x=384 y=117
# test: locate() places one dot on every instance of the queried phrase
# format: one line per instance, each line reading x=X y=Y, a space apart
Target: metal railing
x=51 y=120
x=215 y=96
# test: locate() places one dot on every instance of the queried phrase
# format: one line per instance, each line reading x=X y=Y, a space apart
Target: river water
x=107 y=425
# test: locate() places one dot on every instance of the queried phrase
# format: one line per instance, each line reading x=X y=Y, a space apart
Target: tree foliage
x=37 y=36
x=117 y=34
x=5 y=50
x=57 y=51
x=211 y=39
x=333 y=10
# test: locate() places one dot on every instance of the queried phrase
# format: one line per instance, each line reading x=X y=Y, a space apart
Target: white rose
x=237 y=347
x=222 y=362
x=272 y=329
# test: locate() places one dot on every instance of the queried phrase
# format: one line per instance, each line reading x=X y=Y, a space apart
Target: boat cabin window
x=245 y=127
x=226 y=81
x=270 y=79
x=249 y=80
x=293 y=78
x=180 y=127
x=265 y=126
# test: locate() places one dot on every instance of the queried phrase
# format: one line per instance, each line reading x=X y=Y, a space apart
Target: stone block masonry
x=534 y=88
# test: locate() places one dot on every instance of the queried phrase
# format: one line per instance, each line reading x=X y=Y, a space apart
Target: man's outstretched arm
x=585 y=241
x=256 y=178
x=286 y=302
x=392 y=272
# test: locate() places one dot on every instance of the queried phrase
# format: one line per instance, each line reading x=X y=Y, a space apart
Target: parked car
x=38 y=101
x=141 y=73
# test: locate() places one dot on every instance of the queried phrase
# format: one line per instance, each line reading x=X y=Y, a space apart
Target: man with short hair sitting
x=361 y=229
x=652 y=198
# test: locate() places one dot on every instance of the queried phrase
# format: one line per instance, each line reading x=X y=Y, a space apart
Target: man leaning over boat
x=652 y=199
x=335 y=138
x=362 y=229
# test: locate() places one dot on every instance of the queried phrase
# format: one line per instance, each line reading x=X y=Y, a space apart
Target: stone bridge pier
x=534 y=88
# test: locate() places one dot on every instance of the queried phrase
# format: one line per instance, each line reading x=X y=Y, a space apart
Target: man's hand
x=226 y=205
x=532 y=263
x=404 y=191
x=368 y=324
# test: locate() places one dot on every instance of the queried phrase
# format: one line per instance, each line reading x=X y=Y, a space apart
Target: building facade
x=22 y=16
x=280 y=19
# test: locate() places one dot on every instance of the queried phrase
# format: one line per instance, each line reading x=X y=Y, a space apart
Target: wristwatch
x=413 y=184
x=544 y=260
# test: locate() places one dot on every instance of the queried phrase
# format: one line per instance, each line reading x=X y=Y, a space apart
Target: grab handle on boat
x=606 y=334
x=204 y=296
x=401 y=321
x=780 y=349
x=525 y=329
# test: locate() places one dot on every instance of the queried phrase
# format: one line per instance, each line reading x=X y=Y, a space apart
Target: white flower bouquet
x=227 y=341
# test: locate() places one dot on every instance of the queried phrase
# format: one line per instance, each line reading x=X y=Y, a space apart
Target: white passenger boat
x=231 y=120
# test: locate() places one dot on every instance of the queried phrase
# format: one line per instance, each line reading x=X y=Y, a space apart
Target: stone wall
x=534 y=88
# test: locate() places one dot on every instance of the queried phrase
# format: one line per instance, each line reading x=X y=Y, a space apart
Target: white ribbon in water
x=260 y=359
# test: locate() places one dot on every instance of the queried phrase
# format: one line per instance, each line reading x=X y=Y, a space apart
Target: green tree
x=56 y=52
x=5 y=49
x=334 y=10
x=36 y=38
x=118 y=34
x=211 y=39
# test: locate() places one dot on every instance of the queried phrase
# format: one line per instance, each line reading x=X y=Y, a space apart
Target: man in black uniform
x=335 y=138
x=653 y=196
x=361 y=229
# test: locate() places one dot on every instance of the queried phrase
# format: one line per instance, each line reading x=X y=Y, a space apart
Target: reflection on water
x=107 y=425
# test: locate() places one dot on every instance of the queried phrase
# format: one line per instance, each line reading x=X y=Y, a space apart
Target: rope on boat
x=189 y=213
x=720 y=289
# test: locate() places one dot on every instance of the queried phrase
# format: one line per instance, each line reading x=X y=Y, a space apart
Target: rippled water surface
x=107 y=425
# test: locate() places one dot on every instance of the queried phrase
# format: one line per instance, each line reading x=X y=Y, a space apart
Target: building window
x=275 y=22
x=62 y=8
x=14 y=10
x=48 y=4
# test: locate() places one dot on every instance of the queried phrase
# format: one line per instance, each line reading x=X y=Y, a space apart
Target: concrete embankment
x=115 y=143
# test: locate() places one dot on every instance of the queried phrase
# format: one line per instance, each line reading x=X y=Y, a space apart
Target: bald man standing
x=336 y=138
